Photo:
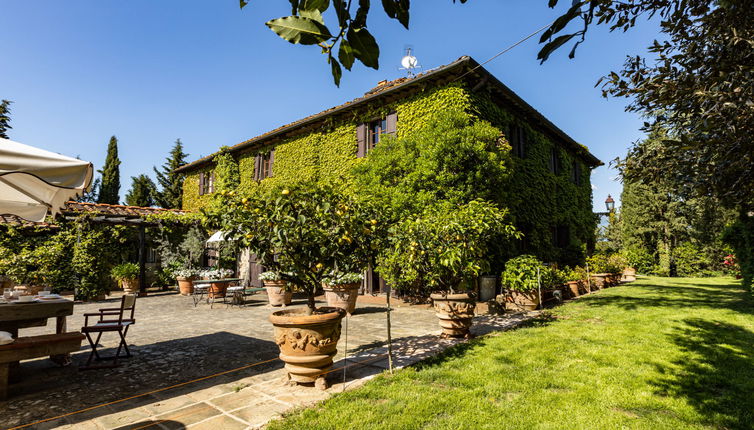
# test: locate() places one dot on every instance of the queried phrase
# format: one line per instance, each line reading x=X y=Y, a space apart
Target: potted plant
x=303 y=233
x=598 y=268
x=342 y=289
x=127 y=274
x=278 y=291
x=525 y=277
x=440 y=253
x=617 y=263
x=185 y=278
x=216 y=289
x=572 y=279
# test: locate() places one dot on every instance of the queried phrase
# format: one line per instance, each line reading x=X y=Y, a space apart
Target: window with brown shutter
x=554 y=161
x=263 y=165
x=201 y=183
x=211 y=185
x=517 y=139
x=576 y=172
x=361 y=140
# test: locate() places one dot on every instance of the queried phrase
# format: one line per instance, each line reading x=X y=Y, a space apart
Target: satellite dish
x=409 y=62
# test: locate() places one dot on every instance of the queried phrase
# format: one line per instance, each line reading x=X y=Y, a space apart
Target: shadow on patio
x=44 y=391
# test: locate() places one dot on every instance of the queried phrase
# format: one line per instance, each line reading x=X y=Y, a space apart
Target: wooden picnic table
x=15 y=316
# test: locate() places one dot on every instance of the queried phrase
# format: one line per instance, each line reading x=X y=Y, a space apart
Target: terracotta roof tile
x=116 y=210
x=17 y=221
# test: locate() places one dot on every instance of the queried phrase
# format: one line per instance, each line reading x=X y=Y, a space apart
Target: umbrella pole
x=142 y=262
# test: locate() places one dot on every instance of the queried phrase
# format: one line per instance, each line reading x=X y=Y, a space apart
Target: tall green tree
x=171 y=184
x=109 y=190
x=142 y=191
x=5 y=118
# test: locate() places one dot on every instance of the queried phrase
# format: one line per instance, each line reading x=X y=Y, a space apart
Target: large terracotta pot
x=277 y=294
x=6 y=282
x=583 y=286
x=342 y=296
x=528 y=300
x=307 y=342
x=217 y=290
x=629 y=274
x=599 y=280
x=455 y=311
x=130 y=286
x=185 y=285
x=573 y=288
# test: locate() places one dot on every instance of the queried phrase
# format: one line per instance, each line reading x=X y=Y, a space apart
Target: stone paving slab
x=174 y=342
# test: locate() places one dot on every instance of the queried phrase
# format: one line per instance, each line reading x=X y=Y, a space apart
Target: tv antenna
x=409 y=63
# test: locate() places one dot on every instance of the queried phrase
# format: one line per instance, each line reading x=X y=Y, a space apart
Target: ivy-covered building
x=550 y=192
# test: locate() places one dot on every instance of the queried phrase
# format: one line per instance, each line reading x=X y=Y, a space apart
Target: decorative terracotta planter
x=629 y=274
x=529 y=300
x=277 y=294
x=455 y=311
x=130 y=286
x=599 y=281
x=573 y=288
x=185 y=285
x=217 y=290
x=6 y=282
x=583 y=286
x=342 y=296
x=307 y=342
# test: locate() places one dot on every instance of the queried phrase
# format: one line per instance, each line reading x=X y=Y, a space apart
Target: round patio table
x=214 y=288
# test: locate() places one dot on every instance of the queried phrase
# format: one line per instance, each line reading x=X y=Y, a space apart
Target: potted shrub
x=278 y=292
x=524 y=277
x=303 y=233
x=598 y=268
x=127 y=274
x=572 y=279
x=342 y=289
x=440 y=253
x=216 y=290
x=185 y=277
x=616 y=265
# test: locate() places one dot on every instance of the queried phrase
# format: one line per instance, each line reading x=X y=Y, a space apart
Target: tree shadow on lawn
x=716 y=373
x=730 y=296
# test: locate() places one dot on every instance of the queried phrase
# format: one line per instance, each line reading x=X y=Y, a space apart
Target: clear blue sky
x=206 y=72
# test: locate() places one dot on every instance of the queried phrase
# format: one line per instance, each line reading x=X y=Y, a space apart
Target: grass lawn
x=658 y=353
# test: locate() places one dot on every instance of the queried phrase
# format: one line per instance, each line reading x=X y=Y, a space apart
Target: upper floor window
x=376 y=130
x=576 y=172
x=263 y=165
x=561 y=236
x=554 y=161
x=206 y=183
x=517 y=139
x=369 y=134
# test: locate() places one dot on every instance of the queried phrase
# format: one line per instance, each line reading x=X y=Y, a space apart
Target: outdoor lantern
x=609 y=203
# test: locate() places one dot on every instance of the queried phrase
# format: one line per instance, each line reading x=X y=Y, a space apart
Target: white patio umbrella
x=34 y=182
x=218 y=236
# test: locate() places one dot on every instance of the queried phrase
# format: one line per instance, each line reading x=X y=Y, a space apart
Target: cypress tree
x=171 y=184
x=5 y=118
x=142 y=191
x=109 y=190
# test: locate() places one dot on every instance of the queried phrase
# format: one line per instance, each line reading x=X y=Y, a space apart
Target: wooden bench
x=32 y=347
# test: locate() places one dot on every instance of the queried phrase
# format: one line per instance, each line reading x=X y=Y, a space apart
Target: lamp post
x=609 y=205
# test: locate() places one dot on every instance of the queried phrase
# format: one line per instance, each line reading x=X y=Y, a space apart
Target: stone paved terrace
x=174 y=342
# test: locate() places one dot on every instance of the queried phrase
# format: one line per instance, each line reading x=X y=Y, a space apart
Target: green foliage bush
x=125 y=271
x=740 y=236
x=606 y=263
x=453 y=160
x=523 y=273
x=443 y=247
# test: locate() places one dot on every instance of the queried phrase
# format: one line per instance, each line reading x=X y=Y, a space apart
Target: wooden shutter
x=361 y=139
x=257 y=167
x=392 y=122
x=272 y=161
x=212 y=182
x=201 y=183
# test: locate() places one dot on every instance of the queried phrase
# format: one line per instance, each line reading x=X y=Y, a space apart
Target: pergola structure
x=131 y=216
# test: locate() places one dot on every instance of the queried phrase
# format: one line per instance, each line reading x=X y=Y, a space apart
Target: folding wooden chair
x=110 y=319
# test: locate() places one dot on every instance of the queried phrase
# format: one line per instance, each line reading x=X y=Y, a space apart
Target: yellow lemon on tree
x=285 y=192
